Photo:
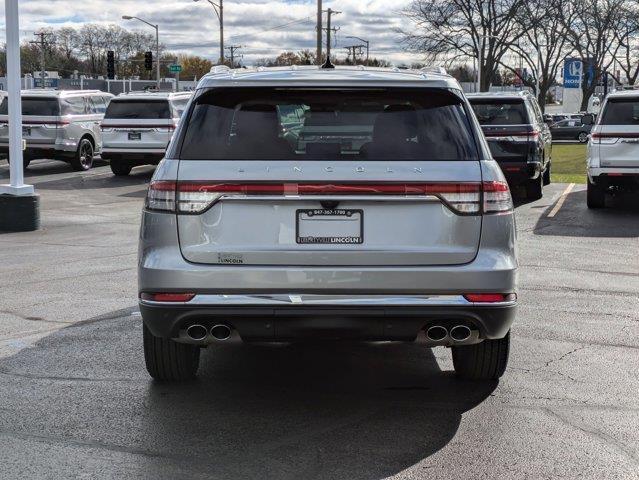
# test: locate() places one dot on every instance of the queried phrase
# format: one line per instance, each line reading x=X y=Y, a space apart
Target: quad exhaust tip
x=197 y=332
x=221 y=332
x=436 y=333
x=460 y=333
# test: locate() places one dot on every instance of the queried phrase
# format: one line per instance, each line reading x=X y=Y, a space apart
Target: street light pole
x=219 y=11
x=157 y=43
x=19 y=205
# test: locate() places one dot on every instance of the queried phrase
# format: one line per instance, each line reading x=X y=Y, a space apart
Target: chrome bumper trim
x=296 y=300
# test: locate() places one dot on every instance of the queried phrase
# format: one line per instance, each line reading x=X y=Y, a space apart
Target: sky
x=190 y=27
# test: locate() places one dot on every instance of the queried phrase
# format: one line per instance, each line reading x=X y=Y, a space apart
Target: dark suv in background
x=518 y=137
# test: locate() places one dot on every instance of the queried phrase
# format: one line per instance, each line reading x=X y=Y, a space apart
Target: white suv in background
x=613 y=150
x=137 y=128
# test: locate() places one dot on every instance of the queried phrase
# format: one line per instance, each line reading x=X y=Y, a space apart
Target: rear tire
x=583 y=137
x=121 y=169
x=547 y=173
x=483 y=361
x=169 y=361
x=595 y=196
x=534 y=188
x=83 y=158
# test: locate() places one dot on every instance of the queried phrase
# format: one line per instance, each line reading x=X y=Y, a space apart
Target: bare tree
x=454 y=30
x=592 y=27
x=627 y=38
x=542 y=46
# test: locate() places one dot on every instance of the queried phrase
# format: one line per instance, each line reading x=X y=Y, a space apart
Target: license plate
x=330 y=227
x=26 y=131
x=135 y=136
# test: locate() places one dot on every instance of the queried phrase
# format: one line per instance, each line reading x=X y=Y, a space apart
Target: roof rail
x=440 y=70
x=220 y=69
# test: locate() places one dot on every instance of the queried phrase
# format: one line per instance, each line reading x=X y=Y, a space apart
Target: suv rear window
x=621 y=112
x=500 y=112
x=34 y=106
x=328 y=124
x=139 y=109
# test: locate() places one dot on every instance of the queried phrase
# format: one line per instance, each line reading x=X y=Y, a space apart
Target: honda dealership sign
x=575 y=73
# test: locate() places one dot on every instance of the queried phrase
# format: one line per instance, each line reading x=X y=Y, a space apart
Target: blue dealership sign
x=573 y=72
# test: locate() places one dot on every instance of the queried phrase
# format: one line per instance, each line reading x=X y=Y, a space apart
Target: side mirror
x=588 y=119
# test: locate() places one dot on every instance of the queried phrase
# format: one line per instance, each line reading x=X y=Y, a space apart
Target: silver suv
x=137 y=128
x=613 y=149
x=310 y=203
x=61 y=125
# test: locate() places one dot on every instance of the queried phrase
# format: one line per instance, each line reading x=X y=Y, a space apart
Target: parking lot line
x=561 y=200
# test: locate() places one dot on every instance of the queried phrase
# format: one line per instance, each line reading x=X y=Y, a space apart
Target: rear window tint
x=31 y=106
x=621 y=112
x=500 y=112
x=328 y=124
x=139 y=109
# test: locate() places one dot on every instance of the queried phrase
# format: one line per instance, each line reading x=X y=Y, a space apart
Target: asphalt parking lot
x=77 y=402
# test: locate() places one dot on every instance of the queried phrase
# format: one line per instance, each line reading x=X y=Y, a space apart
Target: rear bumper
x=520 y=172
x=594 y=172
x=139 y=156
x=290 y=316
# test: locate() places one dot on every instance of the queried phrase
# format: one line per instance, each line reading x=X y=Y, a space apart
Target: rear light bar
x=490 y=297
x=613 y=137
x=464 y=198
x=168 y=297
x=521 y=136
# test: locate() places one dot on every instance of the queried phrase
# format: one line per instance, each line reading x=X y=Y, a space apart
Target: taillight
x=490 y=297
x=612 y=138
x=524 y=136
x=463 y=198
x=161 y=196
x=497 y=198
x=168 y=297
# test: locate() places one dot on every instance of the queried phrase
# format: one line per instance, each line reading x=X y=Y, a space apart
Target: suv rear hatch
x=616 y=137
x=249 y=194
x=138 y=123
x=41 y=119
x=506 y=126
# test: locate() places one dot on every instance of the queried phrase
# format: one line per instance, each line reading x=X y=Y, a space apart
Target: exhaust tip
x=197 y=332
x=460 y=333
x=436 y=333
x=221 y=332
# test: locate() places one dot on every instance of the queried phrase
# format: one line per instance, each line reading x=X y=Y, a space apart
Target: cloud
x=256 y=25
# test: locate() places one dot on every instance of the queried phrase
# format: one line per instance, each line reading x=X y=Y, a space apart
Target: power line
x=277 y=27
x=232 y=49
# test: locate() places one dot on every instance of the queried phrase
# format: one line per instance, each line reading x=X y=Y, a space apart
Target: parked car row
x=75 y=126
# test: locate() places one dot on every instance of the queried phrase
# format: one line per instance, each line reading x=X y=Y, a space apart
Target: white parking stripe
x=560 y=202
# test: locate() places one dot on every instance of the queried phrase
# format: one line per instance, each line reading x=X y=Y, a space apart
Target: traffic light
x=148 y=60
x=111 y=64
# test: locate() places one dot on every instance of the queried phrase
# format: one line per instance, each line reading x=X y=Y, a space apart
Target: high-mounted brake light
x=490 y=297
x=167 y=297
x=463 y=198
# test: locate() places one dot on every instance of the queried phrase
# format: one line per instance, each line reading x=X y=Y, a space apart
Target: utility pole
x=366 y=44
x=232 y=49
x=42 y=44
x=320 y=32
x=330 y=12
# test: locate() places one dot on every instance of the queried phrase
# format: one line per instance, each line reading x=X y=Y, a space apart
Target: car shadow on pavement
x=620 y=218
x=103 y=180
x=329 y=410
